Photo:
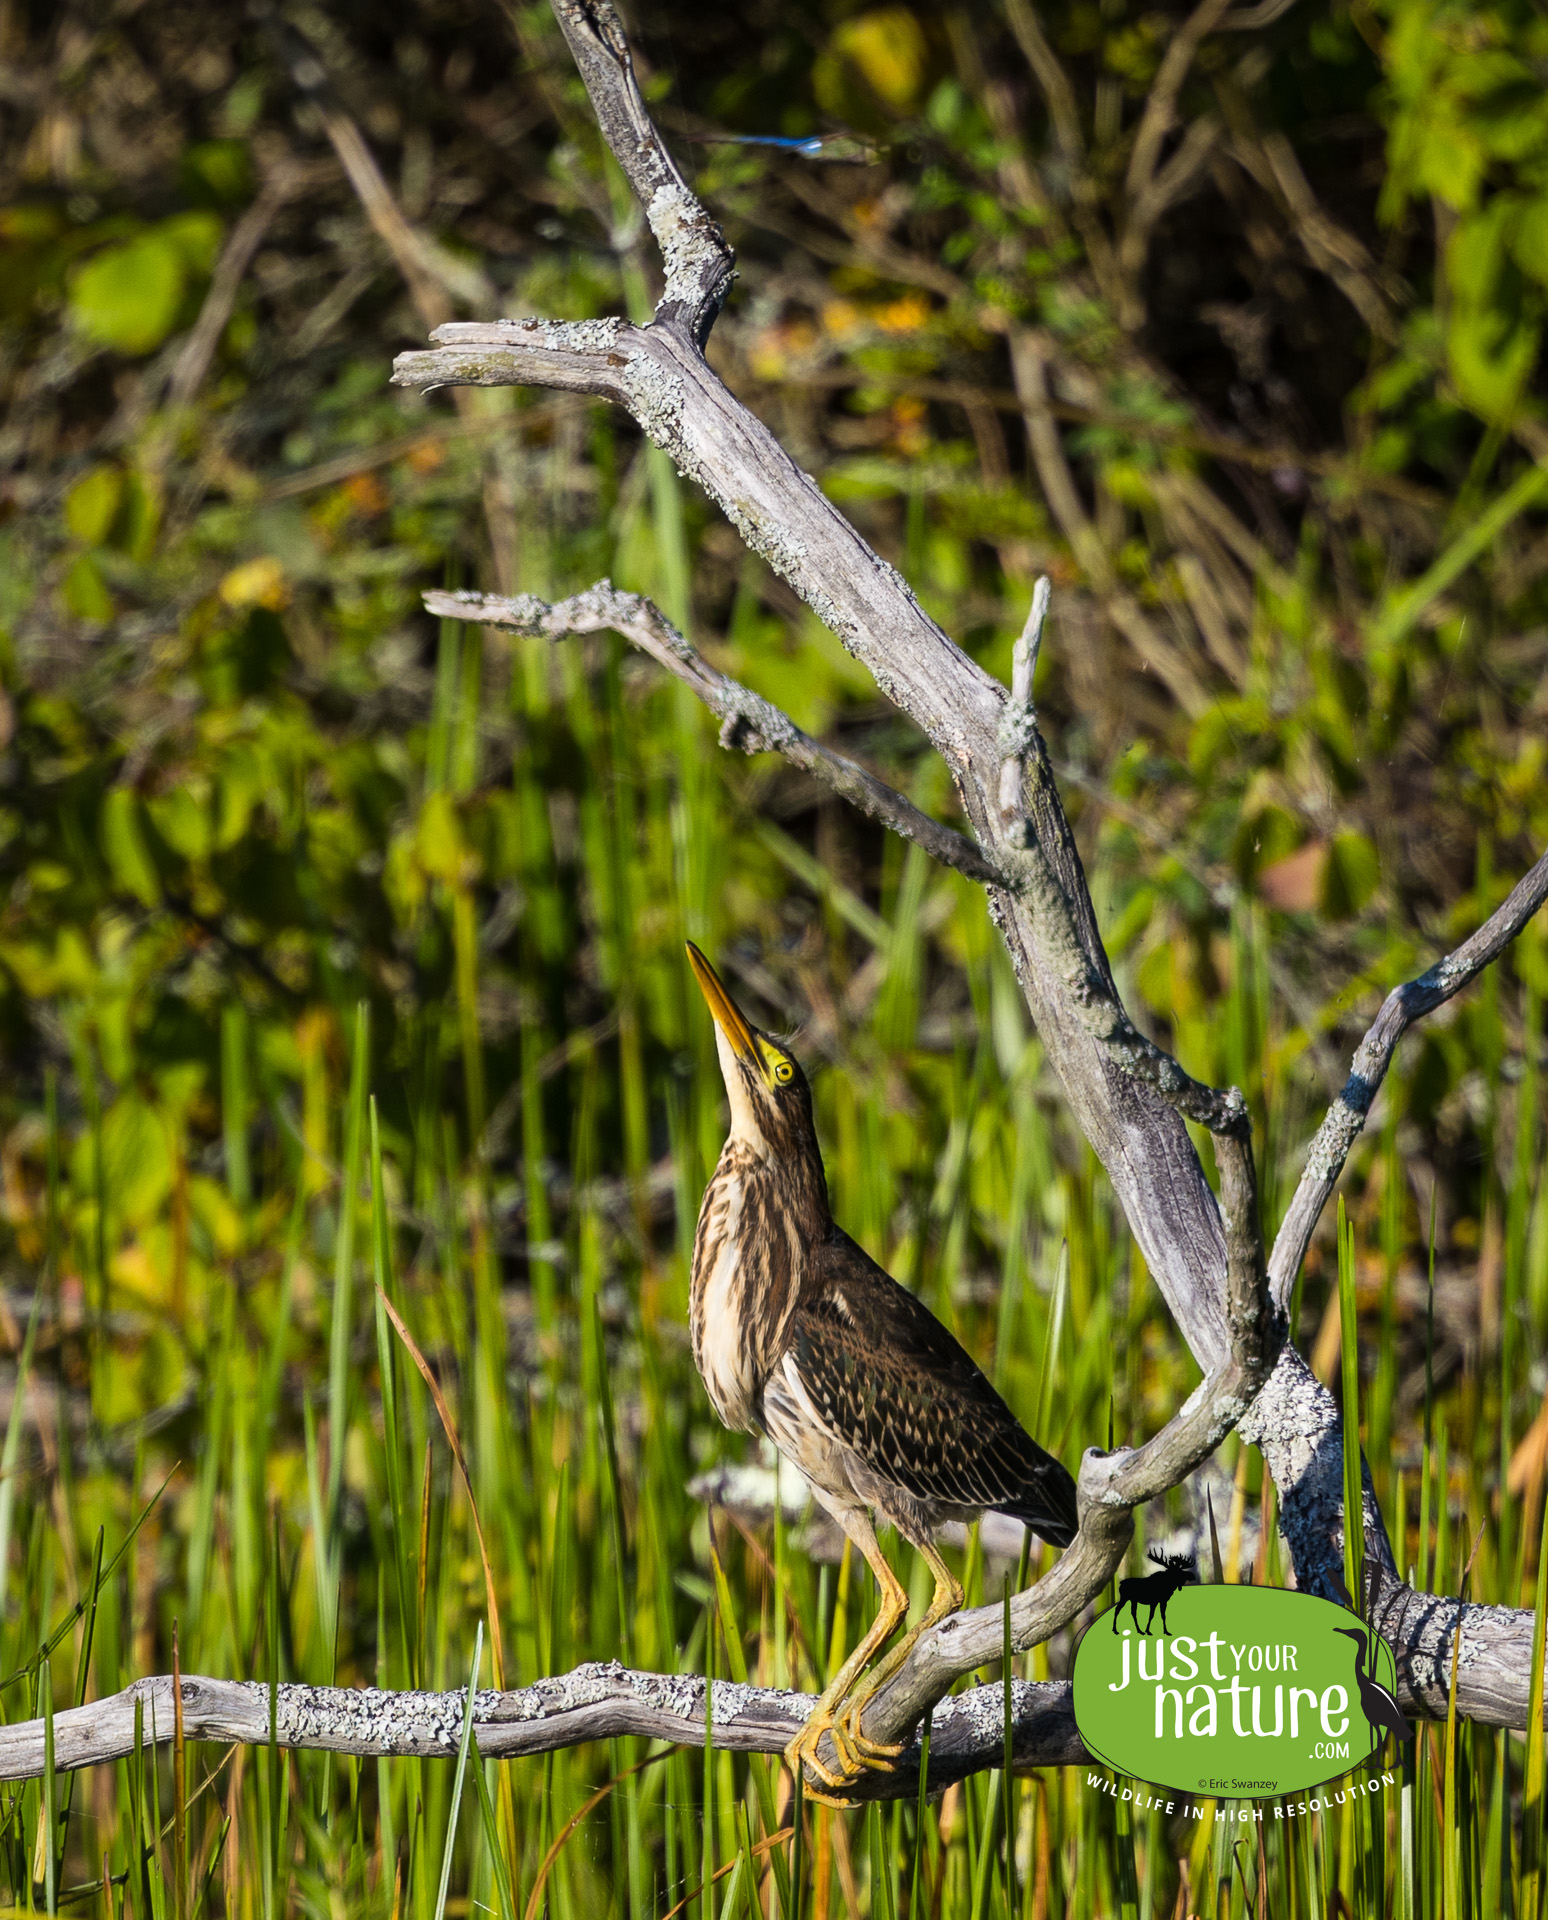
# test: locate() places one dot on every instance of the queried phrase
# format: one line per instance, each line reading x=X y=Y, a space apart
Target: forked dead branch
x=1131 y=1099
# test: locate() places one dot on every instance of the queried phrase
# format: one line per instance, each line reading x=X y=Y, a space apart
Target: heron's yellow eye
x=782 y=1071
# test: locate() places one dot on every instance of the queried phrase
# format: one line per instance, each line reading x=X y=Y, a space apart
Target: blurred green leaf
x=181 y=816
x=85 y=592
x=124 y=846
x=128 y=297
x=1350 y=875
x=218 y=172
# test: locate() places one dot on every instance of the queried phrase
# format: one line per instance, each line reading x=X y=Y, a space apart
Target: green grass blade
x=158 y=1877
x=403 y=1519
x=916 y=1884
x=1008 y=1791
x=1426 y=1455
x=462 y=1768
x=324 y=1576
x=707 y=1861
x=139 y=1864
x=50 y=1790
x=881 y=1868
x=344 y=1262
x=1047 y=1377
x=982 y=1853
x=275 y=1851
x=797 y=1847
x=1354 y=1489
x=502 y=1876
x=11 y=1452
x=274 y=1361
x=82 y=1673
x=1532 y=1783
x=233 y=1100
x=615 y=1483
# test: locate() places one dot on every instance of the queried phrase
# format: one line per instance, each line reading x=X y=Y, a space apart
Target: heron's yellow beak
x=728 y=1016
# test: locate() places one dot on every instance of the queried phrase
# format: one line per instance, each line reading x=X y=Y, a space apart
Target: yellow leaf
x=91 y=505
x=256 y=583
x=888 y=47
x=905 y=315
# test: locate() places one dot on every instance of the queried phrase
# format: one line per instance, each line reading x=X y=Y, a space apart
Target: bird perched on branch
x=797 y=1333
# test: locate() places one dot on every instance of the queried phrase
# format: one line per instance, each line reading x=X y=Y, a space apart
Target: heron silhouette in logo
x=1378 y=1706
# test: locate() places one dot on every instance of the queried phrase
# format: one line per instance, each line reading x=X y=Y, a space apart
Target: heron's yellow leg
x=822 y=1719
x=946 y=1599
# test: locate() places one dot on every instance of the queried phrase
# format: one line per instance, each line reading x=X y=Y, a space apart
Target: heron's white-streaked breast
x=721 y=1349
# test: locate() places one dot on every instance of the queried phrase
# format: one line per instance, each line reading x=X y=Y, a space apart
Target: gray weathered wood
x=594 y=1702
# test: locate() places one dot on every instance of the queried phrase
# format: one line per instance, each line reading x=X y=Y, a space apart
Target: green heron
x=798 y=1334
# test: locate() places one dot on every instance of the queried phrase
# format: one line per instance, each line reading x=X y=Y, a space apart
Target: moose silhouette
x=1156 y=1589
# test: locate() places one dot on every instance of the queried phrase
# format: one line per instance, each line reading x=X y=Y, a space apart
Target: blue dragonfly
x=816 y=146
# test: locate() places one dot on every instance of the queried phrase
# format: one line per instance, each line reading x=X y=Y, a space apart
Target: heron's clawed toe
x=882 y=1755
x=856 y=1751
x=802 y=1752
x=830 y=1799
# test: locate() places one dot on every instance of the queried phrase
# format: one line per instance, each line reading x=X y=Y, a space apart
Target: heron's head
x=771 y=1103
x=1352 y=1633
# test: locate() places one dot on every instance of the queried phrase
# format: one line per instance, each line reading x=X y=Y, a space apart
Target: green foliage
x=129 y=296
x=1469 y=126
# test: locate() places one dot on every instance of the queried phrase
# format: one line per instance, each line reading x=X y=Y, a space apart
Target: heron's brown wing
x=886 y=1377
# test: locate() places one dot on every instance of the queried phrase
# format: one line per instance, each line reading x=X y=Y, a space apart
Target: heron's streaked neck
x=793 y=1163
x=746 y=1122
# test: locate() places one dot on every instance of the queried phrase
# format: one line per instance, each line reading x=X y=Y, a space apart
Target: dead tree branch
x=594 y=1702
x=748 y=722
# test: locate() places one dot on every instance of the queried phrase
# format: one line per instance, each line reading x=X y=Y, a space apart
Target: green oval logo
x=1234 y=1691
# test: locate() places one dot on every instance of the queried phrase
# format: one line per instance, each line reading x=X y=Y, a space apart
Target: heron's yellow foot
x=831 y=1800
x=859 y=1749
x=802 y=1751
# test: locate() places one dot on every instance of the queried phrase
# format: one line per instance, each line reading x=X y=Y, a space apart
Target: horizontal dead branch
x=748 y=721
x=594 y=1702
